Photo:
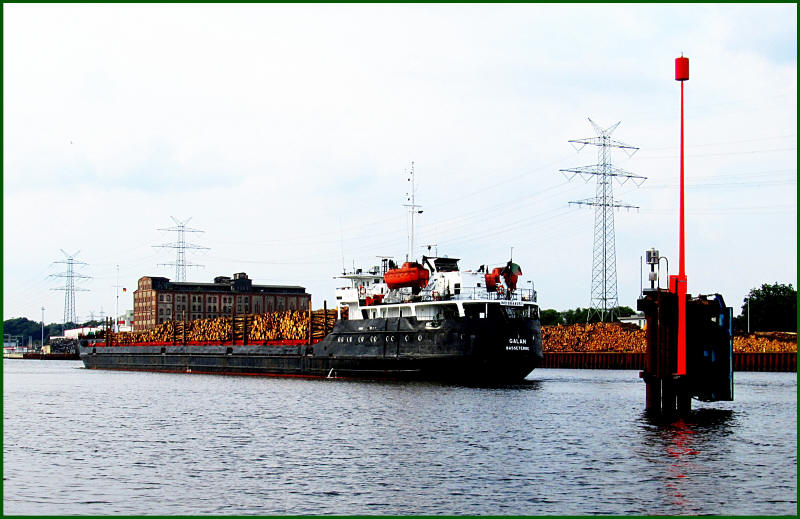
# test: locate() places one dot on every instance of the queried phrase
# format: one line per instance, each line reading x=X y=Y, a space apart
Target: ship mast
x=412 y=209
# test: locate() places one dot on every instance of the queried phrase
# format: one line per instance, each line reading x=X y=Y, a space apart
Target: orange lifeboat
x=409 y=275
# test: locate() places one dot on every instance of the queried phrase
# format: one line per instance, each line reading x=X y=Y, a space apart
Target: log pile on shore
x=628 y=338
x=593 y=338
x=765 y=342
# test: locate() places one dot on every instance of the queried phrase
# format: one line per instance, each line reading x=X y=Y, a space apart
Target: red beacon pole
x=678 y=283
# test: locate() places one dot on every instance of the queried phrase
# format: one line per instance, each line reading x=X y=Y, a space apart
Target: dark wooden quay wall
x=593 y=360
x=785 y=362
x=765 y=361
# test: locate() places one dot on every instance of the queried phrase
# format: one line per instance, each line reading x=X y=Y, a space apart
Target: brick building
x=157 y=299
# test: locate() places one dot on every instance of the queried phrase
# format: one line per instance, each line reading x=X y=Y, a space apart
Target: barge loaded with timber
x=427 y=320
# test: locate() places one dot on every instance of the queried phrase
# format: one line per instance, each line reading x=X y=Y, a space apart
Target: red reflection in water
x=680 y=450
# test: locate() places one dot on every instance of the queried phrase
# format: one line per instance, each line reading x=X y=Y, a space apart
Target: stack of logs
x=250 y=328
x=594 y=338
x=628 y=338
x=765 y=342
x=322 y=322
x=295 y=324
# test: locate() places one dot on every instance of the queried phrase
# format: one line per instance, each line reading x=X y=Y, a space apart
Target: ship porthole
x=361 y=339
x=349 y=339
x=419 y=338
x=406 y=338
x=373 y=339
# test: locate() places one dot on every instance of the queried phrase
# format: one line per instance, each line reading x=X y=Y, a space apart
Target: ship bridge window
x=439 y=312
x=484 y=310
x=517 y=312
x=475 y=310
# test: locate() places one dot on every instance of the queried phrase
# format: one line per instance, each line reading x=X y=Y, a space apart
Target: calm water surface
x=77 y=441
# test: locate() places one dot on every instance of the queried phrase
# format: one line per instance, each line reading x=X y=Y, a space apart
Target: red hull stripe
x=284 y=342
x=235 y=374
x=229 y=373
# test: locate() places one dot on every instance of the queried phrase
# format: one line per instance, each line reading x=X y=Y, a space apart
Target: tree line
x=579 y=315
x=24 y=327
x=771 y=308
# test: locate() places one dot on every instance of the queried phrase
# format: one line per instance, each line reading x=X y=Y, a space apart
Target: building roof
x=239 y=283
x=223 y=286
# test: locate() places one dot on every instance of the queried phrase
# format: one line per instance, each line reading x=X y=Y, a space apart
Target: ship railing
x=524 y=295
x=480 y=293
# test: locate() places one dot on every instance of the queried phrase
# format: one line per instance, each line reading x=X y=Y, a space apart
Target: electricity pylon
x=604 y=298
x=69 y=286
x=181 y=246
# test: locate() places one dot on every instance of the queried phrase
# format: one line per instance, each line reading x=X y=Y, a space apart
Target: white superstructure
x=448 y=292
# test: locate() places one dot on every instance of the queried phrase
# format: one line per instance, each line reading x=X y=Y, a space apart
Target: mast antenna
x=412 y=209
x=341 y=244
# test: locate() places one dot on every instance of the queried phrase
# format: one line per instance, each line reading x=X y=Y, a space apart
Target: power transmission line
x=180 y=246
x=604 y=297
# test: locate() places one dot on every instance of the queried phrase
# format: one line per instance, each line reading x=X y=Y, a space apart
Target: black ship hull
x=460 y=349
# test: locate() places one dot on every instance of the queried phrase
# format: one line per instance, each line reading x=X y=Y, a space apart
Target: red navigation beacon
x=681 y=69
x=678 y=283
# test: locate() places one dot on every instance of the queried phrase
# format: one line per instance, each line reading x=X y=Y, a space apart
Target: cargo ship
x=425 y=320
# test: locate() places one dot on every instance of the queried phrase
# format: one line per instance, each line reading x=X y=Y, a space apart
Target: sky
x=284 y=134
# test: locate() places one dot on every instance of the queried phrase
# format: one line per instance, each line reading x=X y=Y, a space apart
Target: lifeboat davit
x=510 y=274
x=410 y=274
x=492 y=280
